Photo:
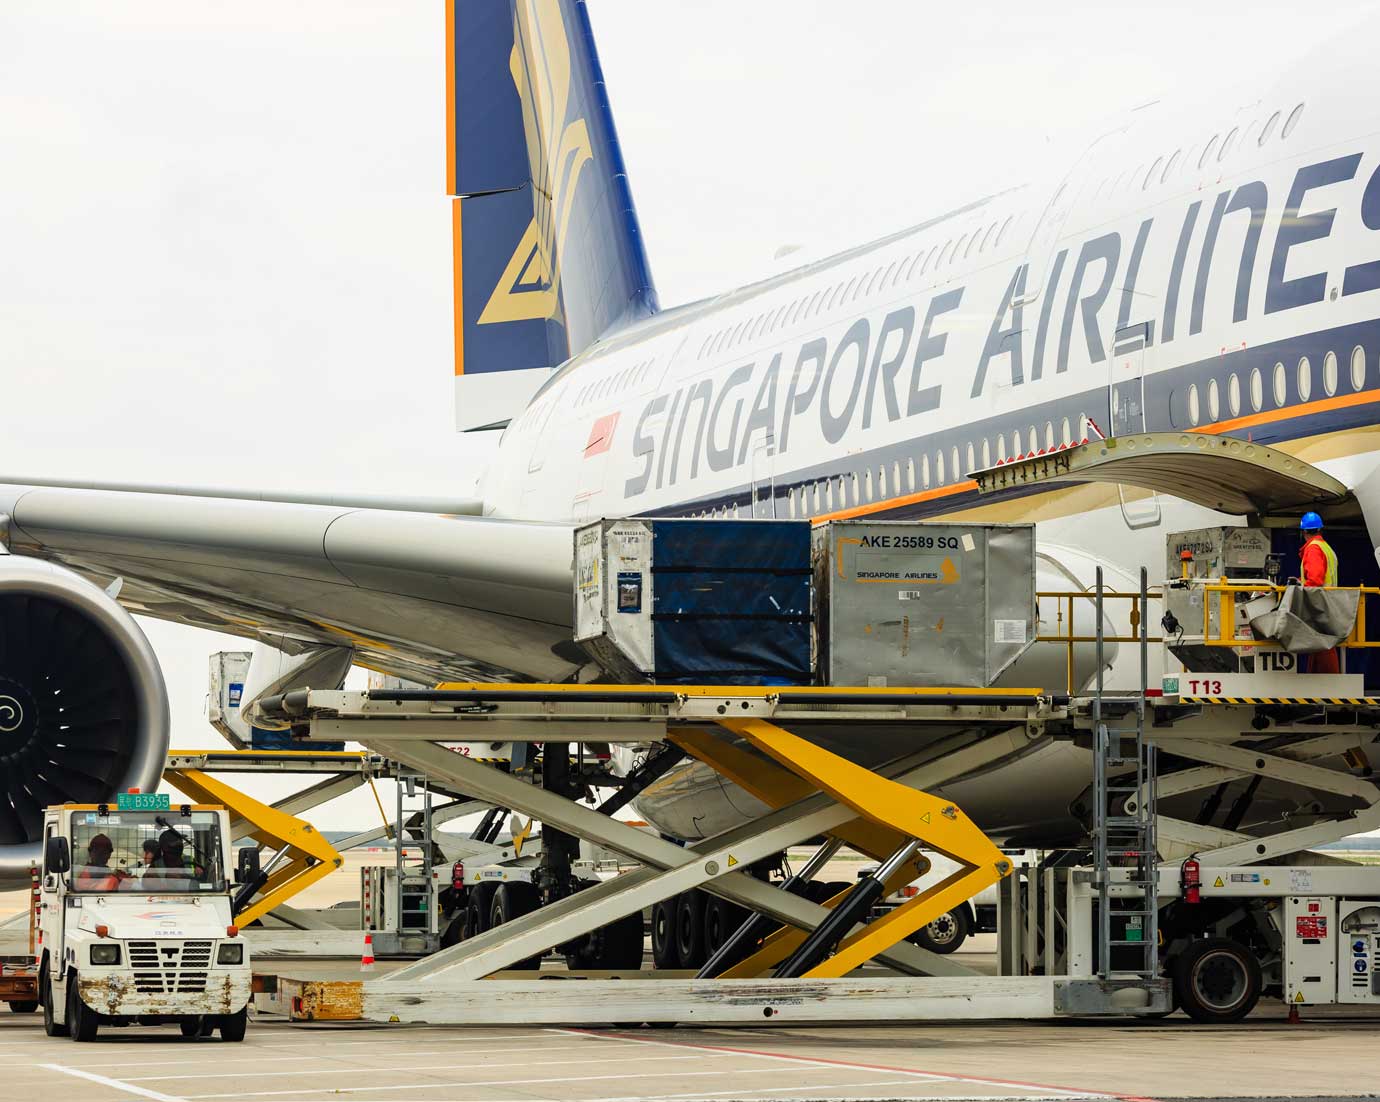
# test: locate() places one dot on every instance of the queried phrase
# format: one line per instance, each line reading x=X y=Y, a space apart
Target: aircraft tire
x=511 y=901
x=664 y=951
x=690 y=929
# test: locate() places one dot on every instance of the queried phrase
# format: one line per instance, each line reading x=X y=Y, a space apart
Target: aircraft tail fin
x=547 y=251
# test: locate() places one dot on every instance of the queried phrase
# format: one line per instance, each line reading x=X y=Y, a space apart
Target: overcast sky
x=224 y=238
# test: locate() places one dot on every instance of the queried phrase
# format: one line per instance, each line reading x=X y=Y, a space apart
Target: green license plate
x=142 y=801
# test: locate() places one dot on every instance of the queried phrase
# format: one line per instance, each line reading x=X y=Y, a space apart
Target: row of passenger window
x=878 y=483
x=617 y=383
x=1162 y=169
x=1204 y=405
x=878 y=280
x=941 y=468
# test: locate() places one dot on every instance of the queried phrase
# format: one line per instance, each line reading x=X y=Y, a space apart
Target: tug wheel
x=51 y=1026
x=81 y=1019
x=233 y=1026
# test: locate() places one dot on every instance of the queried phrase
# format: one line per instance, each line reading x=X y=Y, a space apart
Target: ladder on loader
x=1124 y=816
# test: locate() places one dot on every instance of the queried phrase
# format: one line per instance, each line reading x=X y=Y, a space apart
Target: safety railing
x=1225 y=595
x=1064 y=631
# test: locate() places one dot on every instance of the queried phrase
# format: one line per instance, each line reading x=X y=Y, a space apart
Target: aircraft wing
x=424 y=595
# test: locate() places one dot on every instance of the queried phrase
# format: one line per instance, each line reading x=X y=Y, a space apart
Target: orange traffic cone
x=366 y=960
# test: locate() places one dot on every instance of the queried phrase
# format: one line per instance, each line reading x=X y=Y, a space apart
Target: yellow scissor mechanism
x=889 y=814
x=307 y=855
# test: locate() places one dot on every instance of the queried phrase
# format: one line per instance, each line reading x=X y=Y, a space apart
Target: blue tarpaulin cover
x=261 y=738
x=731 y=602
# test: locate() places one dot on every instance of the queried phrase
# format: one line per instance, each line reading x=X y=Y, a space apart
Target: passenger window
x=1226 y=145
x=1291 y=122
x=1150 y=176
x=1207 y=151
x=1171 y=166
x=1002 y=232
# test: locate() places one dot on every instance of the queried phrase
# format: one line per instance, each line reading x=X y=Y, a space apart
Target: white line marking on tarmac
x=142 y=1092
x=357 y=1070
x=251 y=1058
x=824 y=1062
x=412 y=1086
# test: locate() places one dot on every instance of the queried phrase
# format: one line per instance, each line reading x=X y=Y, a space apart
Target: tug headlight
x=230 y=953
x=105 y=954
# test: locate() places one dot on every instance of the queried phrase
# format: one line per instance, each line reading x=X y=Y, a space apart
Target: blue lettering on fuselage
x=857 y=378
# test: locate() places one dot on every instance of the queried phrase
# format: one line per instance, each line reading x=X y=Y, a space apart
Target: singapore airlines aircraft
x=1212 y=270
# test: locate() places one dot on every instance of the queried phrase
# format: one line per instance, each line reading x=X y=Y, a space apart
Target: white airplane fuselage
x=1214 y=270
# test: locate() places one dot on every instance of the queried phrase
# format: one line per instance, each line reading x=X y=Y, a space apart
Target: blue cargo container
x=696 y=601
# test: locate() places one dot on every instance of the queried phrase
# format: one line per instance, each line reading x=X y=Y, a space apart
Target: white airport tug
x=136 y=918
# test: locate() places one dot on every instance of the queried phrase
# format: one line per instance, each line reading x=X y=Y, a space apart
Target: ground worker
x=1318 y=566
x=97 y=875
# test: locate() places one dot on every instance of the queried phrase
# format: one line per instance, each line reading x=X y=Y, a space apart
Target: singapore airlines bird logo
x=558 y=152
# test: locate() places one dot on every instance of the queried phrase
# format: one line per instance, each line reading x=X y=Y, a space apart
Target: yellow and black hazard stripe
x=1360 y=701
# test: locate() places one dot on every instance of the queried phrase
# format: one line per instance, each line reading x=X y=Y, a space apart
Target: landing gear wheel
x=1216 y=980
x=480 y=905
x=81 y=1019
x=615 y=947
x=946 y=933
x=513 y=900
x=45 y=997
x=190 y=1027
x=24 y=1006
x=664 y=951
x=721 y=919
x=232 y=1026
x=690 y=929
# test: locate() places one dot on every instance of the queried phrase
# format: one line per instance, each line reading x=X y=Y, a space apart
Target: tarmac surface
x=1333 y=1053
x=1328 y=1056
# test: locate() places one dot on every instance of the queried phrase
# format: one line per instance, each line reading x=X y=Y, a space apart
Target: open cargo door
x=1222 y=473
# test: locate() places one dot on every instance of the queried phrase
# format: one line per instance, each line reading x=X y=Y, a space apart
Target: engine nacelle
x=83 y=706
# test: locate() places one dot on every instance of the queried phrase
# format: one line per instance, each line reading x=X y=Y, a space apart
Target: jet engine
x=83 y=706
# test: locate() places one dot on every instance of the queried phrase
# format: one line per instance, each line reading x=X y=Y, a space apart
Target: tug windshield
x=152 y=852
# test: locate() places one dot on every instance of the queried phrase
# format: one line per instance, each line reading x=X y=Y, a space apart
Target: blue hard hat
x=1311 y=522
